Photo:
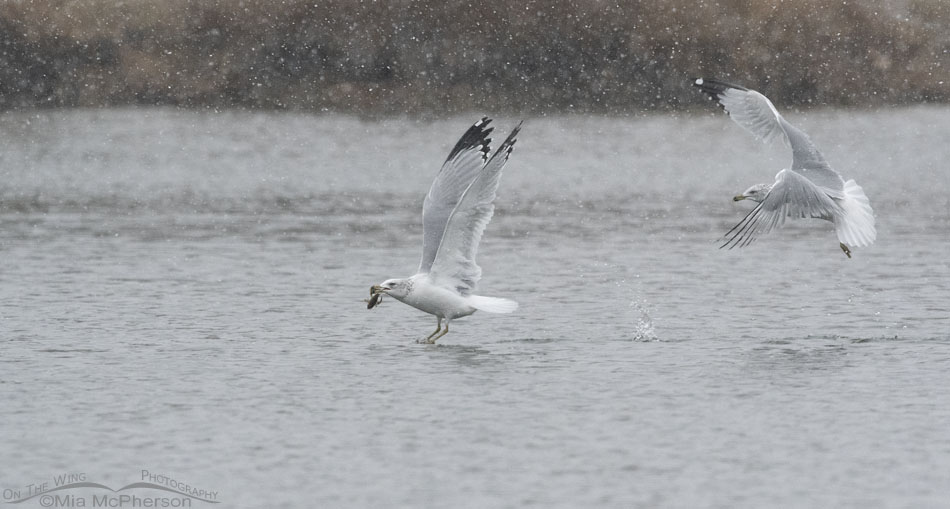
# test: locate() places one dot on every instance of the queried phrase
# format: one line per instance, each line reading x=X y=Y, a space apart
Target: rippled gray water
x=182 y=292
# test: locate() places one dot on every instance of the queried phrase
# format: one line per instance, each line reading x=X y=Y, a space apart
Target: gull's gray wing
x=756 y=114
x=454 y=265
x=457 y=174
x=793 y=196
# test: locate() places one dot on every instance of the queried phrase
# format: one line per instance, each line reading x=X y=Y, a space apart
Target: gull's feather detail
x=793 y=196
x=460 y=169
x=454 y=265
x=756 y=114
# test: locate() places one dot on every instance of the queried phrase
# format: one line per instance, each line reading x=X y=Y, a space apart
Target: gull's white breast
x=436 y=300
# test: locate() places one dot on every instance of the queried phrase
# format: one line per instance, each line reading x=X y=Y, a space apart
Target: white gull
x=809 y=189
x=455 y=212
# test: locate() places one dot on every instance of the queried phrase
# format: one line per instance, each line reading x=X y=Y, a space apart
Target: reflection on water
x=779 y=358
x=185 y=291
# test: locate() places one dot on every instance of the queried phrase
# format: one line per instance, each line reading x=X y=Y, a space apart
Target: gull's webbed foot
x=429 y=340
x=845 y=249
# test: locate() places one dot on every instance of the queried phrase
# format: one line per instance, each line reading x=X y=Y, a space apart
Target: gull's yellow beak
x=739 y=197
x=373 y=290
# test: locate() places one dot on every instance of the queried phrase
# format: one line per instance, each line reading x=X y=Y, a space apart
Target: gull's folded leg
x=845 y=249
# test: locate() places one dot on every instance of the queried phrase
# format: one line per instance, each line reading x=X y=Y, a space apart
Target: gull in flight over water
x=810 y=188
x=455 y=212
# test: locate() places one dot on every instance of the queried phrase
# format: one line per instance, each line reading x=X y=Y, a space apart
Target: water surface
x=182 y=292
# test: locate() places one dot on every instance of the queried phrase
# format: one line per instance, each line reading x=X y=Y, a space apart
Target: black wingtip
x=509 y=144
x=714 y=88
x=512 y=138
x=514 y=133
x=712 y=84
x=475 y=137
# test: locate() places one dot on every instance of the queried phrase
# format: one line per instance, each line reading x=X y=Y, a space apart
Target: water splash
x=644 y=329
x=638 y=309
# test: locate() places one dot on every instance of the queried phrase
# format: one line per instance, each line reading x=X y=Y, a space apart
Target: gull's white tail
x=855 y=227
x=492 y=304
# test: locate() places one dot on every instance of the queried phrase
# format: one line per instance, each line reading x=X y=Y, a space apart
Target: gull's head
x=397 y=288
x=755 y=193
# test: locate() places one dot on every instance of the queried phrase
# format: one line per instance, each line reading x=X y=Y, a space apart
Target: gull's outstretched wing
x=793 y=196
x=454 y=265
x=756 y=114
x=458 y=172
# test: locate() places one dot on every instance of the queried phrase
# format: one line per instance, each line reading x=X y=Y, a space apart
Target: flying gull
x=454 y=215
x=810 y=188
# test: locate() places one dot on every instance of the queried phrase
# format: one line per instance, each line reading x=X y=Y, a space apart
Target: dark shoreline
x=438 y=58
